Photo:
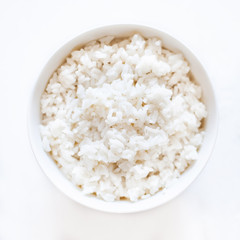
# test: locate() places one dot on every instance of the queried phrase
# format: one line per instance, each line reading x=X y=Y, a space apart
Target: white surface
x=30 y=207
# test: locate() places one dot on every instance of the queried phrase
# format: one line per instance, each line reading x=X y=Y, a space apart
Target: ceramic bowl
x=50 y=168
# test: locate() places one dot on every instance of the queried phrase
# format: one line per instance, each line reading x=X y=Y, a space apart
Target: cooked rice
x=122 y=117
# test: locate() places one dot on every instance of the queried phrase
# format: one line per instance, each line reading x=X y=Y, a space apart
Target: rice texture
x=122 y=117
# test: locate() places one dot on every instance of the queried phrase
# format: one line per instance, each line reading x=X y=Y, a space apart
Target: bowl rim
x=98 y=204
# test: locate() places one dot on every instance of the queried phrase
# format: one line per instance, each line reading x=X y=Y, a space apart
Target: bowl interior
x=50 y=168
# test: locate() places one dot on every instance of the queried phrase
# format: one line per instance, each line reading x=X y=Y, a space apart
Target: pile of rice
x=122 y=117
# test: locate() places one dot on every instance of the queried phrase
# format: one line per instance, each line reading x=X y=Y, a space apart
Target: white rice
x=122 y=118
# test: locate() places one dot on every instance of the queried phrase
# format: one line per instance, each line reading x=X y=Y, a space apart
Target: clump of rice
x=122 y=118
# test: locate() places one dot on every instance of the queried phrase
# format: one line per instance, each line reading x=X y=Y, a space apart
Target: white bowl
x=51 y=169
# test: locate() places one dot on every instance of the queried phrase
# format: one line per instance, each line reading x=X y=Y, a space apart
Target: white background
x=31 y=208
